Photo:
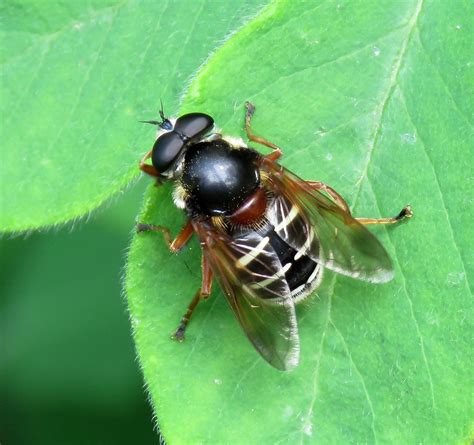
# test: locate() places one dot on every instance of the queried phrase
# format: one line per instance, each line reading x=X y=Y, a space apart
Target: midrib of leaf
x=364 y=176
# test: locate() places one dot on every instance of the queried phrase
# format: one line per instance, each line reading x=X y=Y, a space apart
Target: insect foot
x=406 y=212
x=250 y=108
x=179 y=333
x=142 y=227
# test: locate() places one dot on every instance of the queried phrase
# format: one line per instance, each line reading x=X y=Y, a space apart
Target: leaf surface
x=373 y=98
x=76 y=78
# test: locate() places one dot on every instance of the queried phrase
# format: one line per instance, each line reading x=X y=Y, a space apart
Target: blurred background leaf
x=76 y=78
x=372 y=98
x=67 y=363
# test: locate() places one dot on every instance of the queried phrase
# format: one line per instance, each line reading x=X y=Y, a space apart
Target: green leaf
x=372 y=98
x=76 y=78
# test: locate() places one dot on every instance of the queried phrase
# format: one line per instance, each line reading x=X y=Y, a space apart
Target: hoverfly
x=266 y=234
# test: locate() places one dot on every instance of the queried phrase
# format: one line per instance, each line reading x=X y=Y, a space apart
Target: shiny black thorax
x=218 y=177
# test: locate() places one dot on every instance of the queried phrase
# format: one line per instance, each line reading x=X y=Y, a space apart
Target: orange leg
x=147 y=168
x=174 y=244
x=202 y=294
x=276 y=153
x=406 y=212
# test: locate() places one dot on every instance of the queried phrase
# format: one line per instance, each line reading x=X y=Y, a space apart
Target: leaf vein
x=443 y=81
x=315 y=67
x=342 y=56
x=184 y=45
x=438 y=186
x=131 y=78
x=412 y=312
x=362 y=380
x=56 y=34
x=26 y=90
x=86 y=80
x=309 y=411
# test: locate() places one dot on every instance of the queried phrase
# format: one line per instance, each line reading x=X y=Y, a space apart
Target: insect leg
x=147 y=168
x=174 y=245
x=276 y=153
x=202 y=294
x=406 y=212
x=337 y=198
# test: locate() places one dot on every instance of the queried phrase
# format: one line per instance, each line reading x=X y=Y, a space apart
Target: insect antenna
x=151 y=122
x=162 y=111
x=165 y=123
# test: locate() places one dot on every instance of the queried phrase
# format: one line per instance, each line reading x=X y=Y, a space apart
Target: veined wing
x=326 y=232
x=252 y=279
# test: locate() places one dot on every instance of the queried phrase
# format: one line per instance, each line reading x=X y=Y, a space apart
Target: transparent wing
x=326 y=232
x=250 y=275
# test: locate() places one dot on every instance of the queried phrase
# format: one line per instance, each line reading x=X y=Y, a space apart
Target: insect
x=266 y=234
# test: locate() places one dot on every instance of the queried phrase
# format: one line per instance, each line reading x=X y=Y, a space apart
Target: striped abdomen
x=286 y=235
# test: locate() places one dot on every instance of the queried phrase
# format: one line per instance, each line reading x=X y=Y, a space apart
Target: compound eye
x=165 y=151
x=193 y=125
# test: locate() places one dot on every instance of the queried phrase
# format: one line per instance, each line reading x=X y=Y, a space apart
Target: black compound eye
x=165 y=151
x=193 y=125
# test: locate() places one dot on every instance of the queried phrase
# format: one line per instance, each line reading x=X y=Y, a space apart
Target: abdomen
x=302 y=273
